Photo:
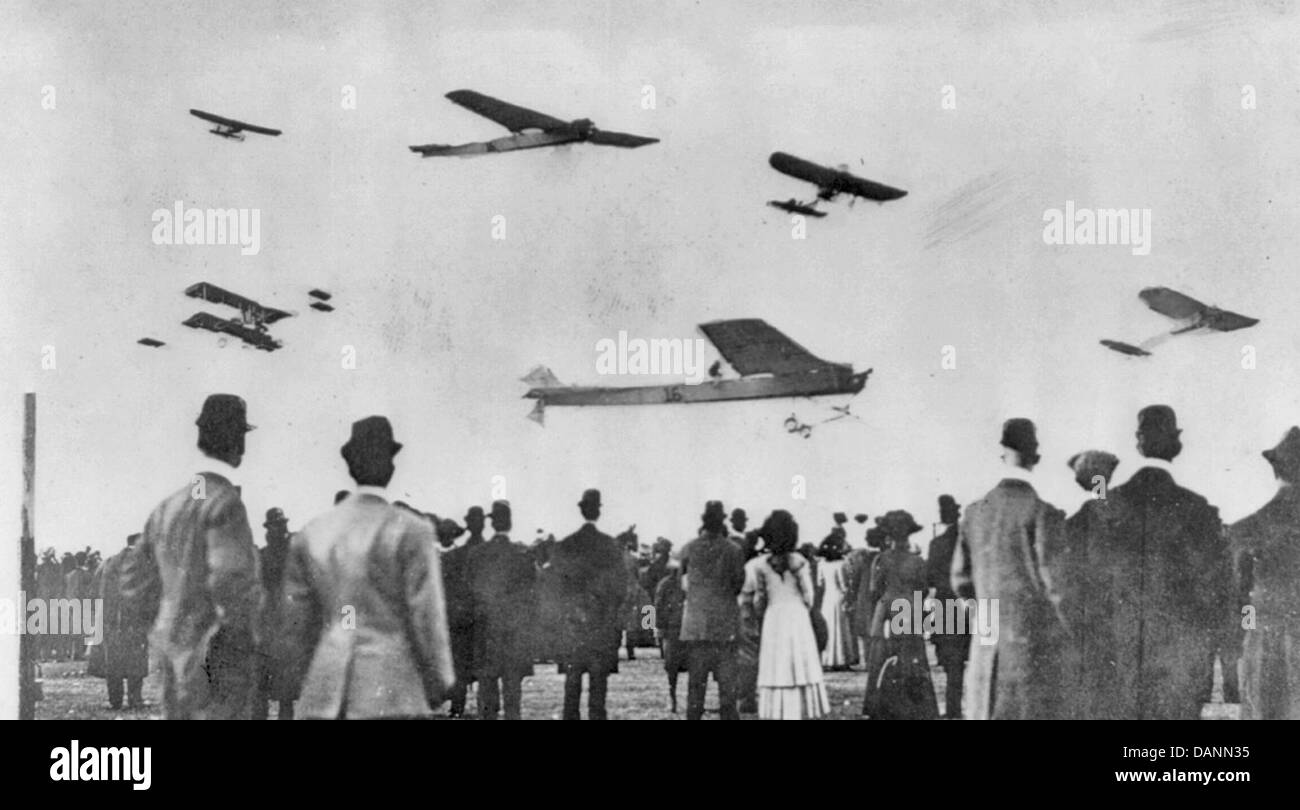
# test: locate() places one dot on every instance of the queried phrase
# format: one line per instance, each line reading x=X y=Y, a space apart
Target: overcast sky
x=1106 y=108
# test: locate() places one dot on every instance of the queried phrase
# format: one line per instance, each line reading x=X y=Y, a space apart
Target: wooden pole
x=27 y=552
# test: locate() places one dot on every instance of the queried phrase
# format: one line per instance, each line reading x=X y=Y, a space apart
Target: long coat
x=1010 y=547
x=713 y=569
x=1159 y=560
x=459 y=596
x=862 y=605
x=124 y=650
x=365 y=624
x=195 y=578
x=1266 y=552
x=503 y=589
x=587 y=578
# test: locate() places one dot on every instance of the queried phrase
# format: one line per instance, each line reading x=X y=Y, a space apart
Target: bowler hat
x=1020 y=435
x=590 y=497
x=1158 y=419
x=475 y=513
x=372 y=435
x=500 y=510
x=715 y=510
x=224 y=411
x=274 y=516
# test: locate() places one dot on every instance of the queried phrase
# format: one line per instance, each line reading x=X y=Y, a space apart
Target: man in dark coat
x=1161 y=563
x=460 y=605
x=272 y=557
x=1266 y=552
x=951 y=644
x=502 y=582
x=590 y=583
x=1087 y=662
x=195 y=578
x=670 y=599
x=1011 y=548
x=123 y=655
x=713 y=569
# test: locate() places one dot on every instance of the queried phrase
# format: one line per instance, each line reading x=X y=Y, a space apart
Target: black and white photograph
x=650 y=361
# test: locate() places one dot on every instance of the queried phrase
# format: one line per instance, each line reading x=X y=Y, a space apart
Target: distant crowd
x=379 y=610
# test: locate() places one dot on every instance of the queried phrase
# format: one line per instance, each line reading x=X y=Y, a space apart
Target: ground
x=638 y=692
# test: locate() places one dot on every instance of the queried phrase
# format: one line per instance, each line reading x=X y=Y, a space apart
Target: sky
x=988 y=114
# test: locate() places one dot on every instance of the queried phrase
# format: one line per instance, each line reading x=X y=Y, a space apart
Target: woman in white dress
x=790 y=684
x=832 y=580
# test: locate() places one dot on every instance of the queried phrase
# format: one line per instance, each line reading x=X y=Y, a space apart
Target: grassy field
x=638 y=692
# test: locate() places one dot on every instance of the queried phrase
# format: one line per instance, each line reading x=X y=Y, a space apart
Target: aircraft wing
x=1172 y=304
x=751 y=346
x=238 y=126
x=1224 y=321
x=801 y=169
x=623 y=139
x=1125 y=348
x=510 y=116
x=211 y=292
x=210 y=322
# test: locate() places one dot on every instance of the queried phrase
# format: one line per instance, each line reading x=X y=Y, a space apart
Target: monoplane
x=529 y=129
x=1190 y=315
x=230 y=128
x=830 y=184
x=768 y=364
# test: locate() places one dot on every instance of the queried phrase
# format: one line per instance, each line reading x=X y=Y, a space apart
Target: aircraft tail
x=538 y=413
x=541 y=377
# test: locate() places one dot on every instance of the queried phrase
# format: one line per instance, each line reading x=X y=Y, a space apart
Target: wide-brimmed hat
x=899 y=522
x=1285 y=457
x=371 y=436
x=224 y=411
x=274 y=516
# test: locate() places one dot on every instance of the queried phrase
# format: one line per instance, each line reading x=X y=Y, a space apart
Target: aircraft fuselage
x=832 y=379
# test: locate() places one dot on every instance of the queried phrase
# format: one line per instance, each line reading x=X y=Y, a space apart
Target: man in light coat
x=195 y=578
x=364 y=617
x=1010 y=548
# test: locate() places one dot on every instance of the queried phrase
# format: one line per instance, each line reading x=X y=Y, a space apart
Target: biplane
x=769 y=365
x=529 y=129
x=830 y=184
x=319 y=304
x=1191 y=315
x=249 y=326
x=230 y=128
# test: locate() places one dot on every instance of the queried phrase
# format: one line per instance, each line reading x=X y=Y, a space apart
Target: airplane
x=794 y=206
x=150 y=342
x=1190 y=314
x=769 y=364
x=251 y=324
x=793 y=425
x=830 y=183
x=529 y=129
x=230 y=128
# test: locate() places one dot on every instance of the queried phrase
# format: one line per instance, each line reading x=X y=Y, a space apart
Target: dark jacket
x=1266 y=552
x=502 y=583
x=1159 y=560
x=124 y=651
x=713 y=568
x=588 y=581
